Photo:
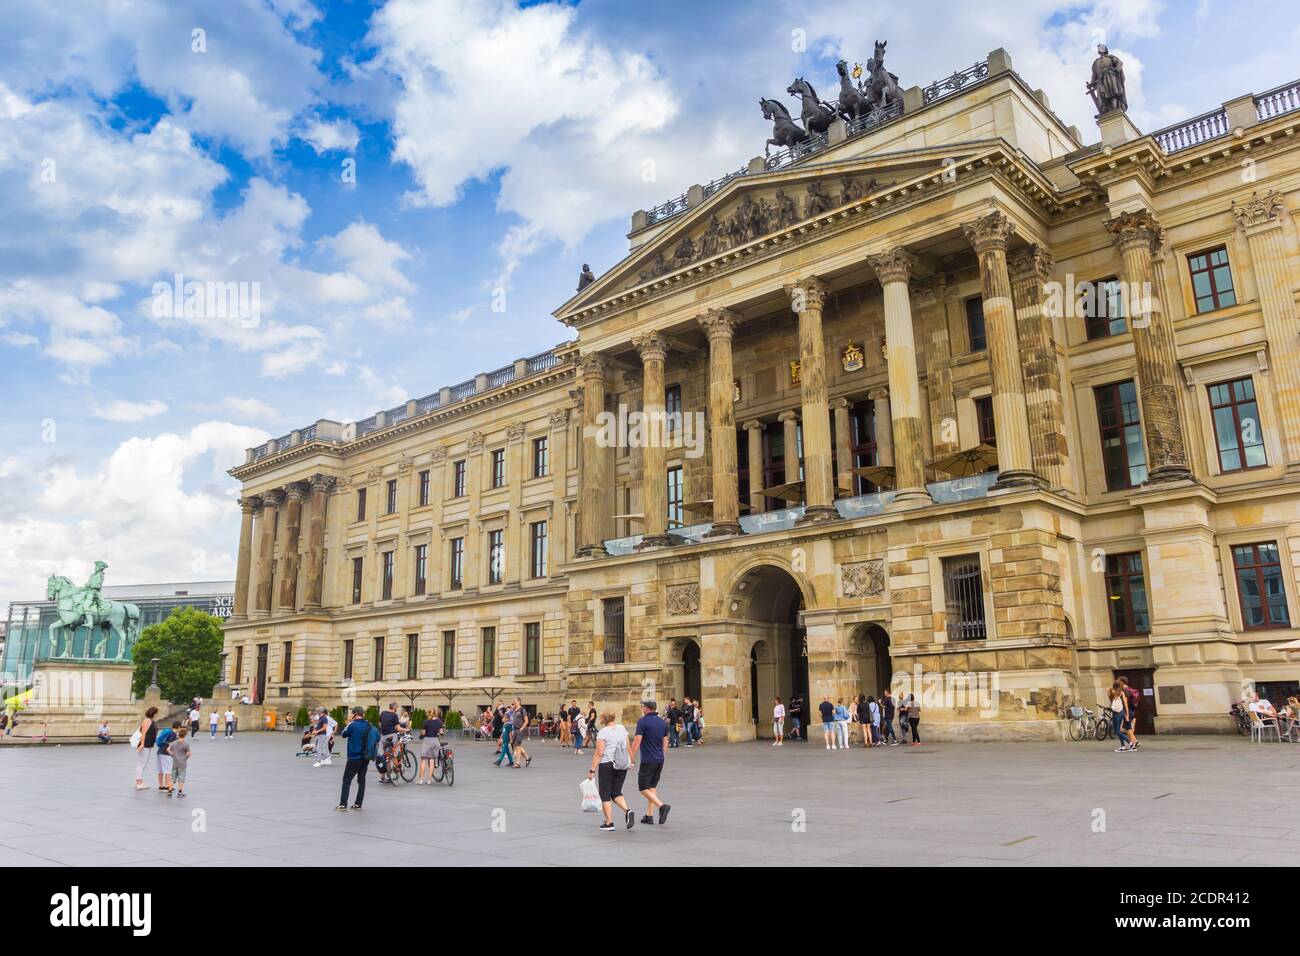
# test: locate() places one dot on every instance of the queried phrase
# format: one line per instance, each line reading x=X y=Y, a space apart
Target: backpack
x=621 y=760
x=372 y=741
x=1134 y=699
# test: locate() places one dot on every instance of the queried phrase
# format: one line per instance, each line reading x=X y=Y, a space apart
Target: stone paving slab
x=1209 y=801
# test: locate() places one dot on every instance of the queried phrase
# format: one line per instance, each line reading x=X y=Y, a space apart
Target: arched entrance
x=768 y=603
x=870 y=643
x=691 y=671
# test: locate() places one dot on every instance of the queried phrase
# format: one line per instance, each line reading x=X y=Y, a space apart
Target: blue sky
x=496 y=147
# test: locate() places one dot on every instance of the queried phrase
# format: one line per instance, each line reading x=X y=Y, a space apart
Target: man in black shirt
x=827 y=710
x=887 y=719
x=389 y=722
x=672 y=715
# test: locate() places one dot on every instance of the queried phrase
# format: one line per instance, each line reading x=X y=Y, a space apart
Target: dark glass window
x=1102 y=306
x=498 y=467
x=424 y=487
x=458 y=479
x=862 y=428
x=456 y=565
x=496 y=556
x=489 y=652
x=286 y=662
x=412 y=656
x=1126 y=595
x=1120 y=425
x=388 y=575
x=349 y=659
x=975 y=324
x=361 y=504
x=988 y=432
x=421 y=567
x=676 y=497
x=532 y=648
x=1259 y=586
x=358 y=565
x=673 y=407
x=448 y=654
x=541 y=452
x=390 y=500
x=773 y=461
x=1211 y=279
x=1237 y=433
x=379 y=658
x=537 y=549
x=614 y=634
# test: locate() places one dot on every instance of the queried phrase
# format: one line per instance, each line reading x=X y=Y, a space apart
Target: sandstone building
x=1117 y=321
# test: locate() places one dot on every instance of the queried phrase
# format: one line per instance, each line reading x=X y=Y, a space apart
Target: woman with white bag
x=609 y=765
x=143 y=740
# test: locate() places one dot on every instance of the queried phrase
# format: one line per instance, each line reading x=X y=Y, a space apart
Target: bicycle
x=1105 y=727
x=444 y=768
x=1083 y=724
x=399 y=762
x=1241 y=717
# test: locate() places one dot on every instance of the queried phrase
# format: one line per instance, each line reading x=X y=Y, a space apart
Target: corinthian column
x=654 y=474
x=1260 y=220
x=1135 y=233
x=244 y=562
x=720 y=326
x=790 y=443
x=843 y=447
x=315 y=576
x=807 y=296
x=595 y=478
x=989 y=235
x=893 y=268
x=271 y=502
x=1031 y=269
x=754 y=435
x=294 y=492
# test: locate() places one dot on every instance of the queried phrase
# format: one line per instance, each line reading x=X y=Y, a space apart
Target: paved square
x=1188 y=800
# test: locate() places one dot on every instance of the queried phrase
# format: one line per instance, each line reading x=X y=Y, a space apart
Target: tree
x=188 y=647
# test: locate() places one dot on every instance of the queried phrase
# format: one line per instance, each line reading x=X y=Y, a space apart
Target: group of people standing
x=173 y=749
x=874 y=717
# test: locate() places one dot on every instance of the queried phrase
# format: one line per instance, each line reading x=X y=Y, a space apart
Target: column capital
x=1138 y=228
x=753 y=425
x=652 y=347
x=719 y=323
x=515 y=432
x=1259 y=212
x=879 y=394
x=892 y=265
x=474 y=443
x=990 y=232
x=807 y=294
x=250 y=504
x=273 y=498
x=840 y=402
x=789 y=415
x=1031 y=262
x=438 y=454
x=322 y=483
x=295 y=490
x=593 y=365
x=559 y=418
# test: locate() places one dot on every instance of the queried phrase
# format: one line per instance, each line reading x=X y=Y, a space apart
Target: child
x=163 y=743
x=180 y=755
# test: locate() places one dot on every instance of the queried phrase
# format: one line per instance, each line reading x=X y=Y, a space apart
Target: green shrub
x=372 y=714
x=452 y=720
x=302 y=718
x=418 y=717
x=340 y=714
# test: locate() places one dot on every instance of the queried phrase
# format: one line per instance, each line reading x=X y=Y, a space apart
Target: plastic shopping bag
x=590 y=796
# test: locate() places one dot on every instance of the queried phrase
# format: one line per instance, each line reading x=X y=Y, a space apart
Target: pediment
x=753 y=207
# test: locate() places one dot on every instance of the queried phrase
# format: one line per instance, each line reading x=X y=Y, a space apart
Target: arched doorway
x=769 y=602
x=875 y=670
x=691 y=671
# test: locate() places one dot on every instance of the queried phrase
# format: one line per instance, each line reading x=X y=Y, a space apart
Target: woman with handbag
x=610 y=764
x=143 y=740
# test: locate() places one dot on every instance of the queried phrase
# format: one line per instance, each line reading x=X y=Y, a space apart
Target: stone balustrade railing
x=1241 y=112
x=337 y=432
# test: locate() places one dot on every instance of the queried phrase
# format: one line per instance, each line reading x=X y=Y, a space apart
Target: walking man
x=887 y=719
x=672 y=715
x=651 y=738
x=362 y=740
x=688 y=721
x=521 y=721
x=230 y=721
x=213 y=720
x=321 y=737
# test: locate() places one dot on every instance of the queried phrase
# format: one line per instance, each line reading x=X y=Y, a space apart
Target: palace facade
x=1107 y=331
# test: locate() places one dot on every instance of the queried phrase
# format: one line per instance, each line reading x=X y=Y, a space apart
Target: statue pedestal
x=1117 y=129
x=72 y=698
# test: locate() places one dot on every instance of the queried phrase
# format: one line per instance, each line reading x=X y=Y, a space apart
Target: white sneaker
x=828 y=746
x=327 y=762
x=316 y=764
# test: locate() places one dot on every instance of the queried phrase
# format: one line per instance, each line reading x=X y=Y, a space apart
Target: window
x=862 y=432
x=975 y=324
x=773 y=461
x=412 y=656
x=988 y=432
x=1102 y=306
x=1126 y=595
x=498 y=467
x=1259 y=586
x=489 y=652
x=496 y=556
x=537 y=549
x=358 y=565
x=533 y=648
x=1236 y=425
x=541 y=451
x=387 y=592
x=390 y=497
x=1122 y=454
x=424 y=487
x=361 y=504
x=458 y=479
x=286 y=662
x=457 y=563
x=963 y=591
x=1211 y=279
x=673 y=407
x=677 y=497
x=614 y=635
x=349 y=658
x=379 y=658
x=421 y=567
x=448 y=654
x=239 y=665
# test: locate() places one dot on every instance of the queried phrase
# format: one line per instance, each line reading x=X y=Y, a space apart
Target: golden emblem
x=853 y=359
x=794 y=373
x=857 y=71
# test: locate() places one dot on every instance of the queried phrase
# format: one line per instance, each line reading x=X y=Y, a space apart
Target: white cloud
x=327 y=137
x=370 y=256
x=251 y=408
x=122 y=410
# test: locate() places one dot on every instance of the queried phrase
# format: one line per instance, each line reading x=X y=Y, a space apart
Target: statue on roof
x=786 y=133
x=816 y=115
x=586 y=277
x=880 y=88
x=1107 y=84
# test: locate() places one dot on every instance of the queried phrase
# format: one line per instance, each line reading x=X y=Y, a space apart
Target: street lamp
x=153 y=682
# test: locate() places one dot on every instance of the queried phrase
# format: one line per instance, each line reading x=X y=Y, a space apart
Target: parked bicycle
x=399 y=762
x=444 y=768
x=1083 y=723
x=1241 y=717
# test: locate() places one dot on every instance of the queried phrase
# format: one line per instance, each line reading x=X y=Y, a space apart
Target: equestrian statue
x=786 y=133
x=103 y=619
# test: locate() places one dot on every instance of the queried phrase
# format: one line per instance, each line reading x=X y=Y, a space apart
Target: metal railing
x=428 y=403
x=713 y=186
x=869 y=121
x=1284 y=99
x=792 y=154
x=666 y=210
x=541 y=363
x=952 y=84
x=1193 y=132
x=464 y=390
x=502 y=376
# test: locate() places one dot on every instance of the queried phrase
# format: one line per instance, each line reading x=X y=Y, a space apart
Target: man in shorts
x=651 y=739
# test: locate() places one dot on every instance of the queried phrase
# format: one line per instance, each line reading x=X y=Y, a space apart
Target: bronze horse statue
x=817 y=115
x=101 y=622
x=881 y=87
x=853 y=103
x=785 y=131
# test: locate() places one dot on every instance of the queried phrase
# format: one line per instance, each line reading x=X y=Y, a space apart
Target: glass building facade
x=28 y=629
